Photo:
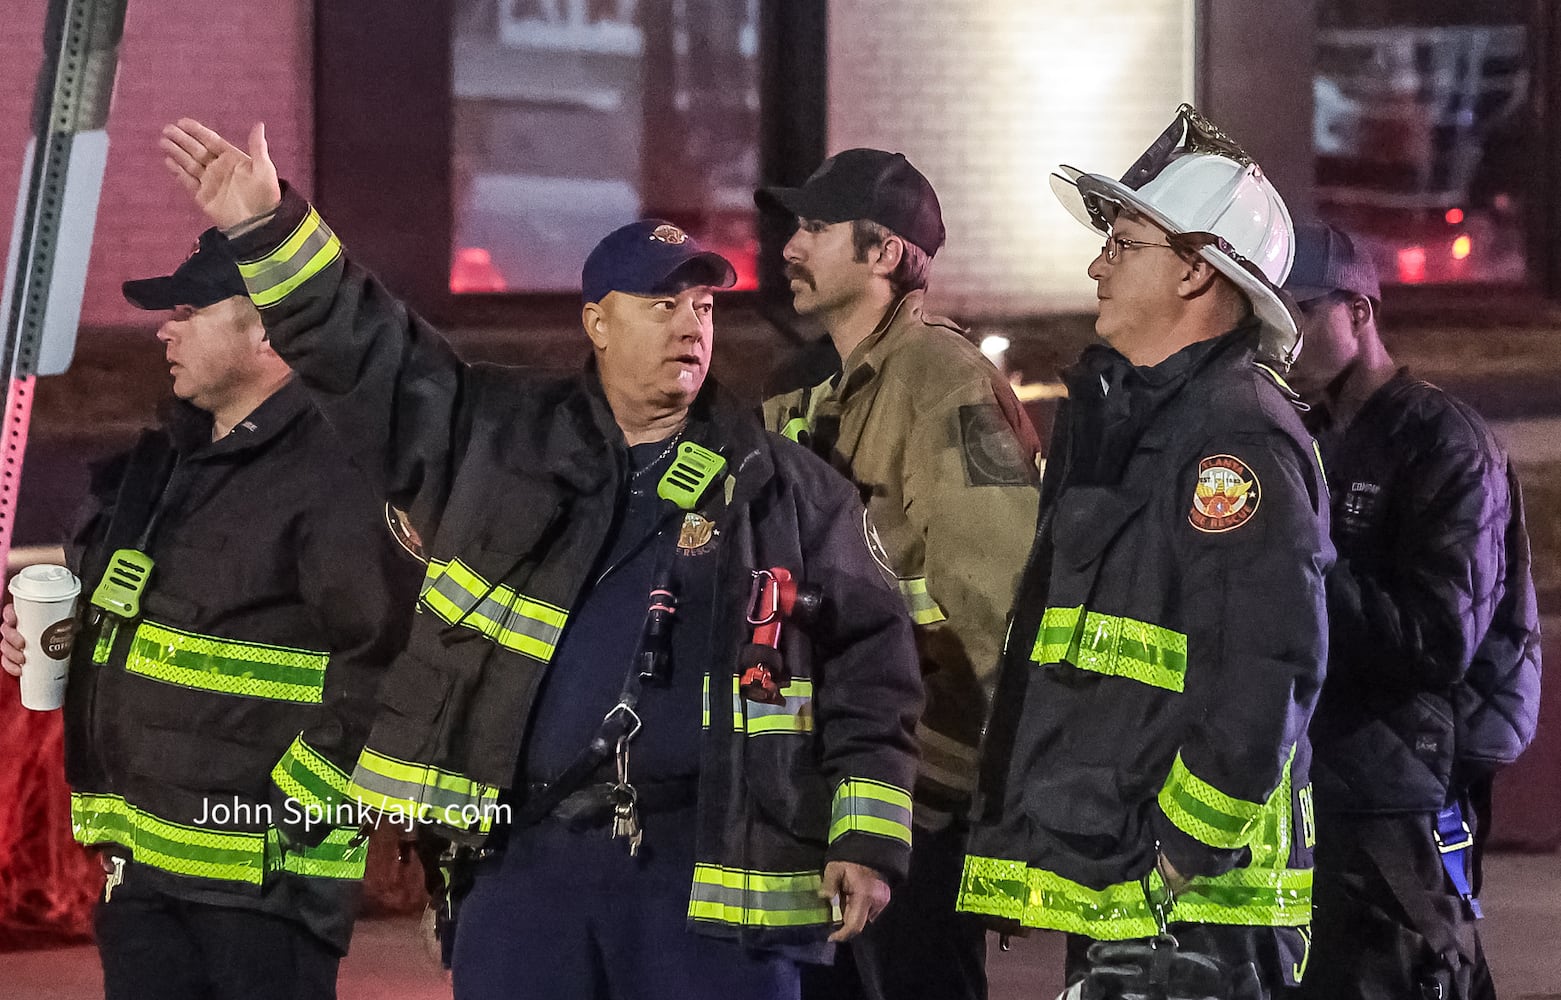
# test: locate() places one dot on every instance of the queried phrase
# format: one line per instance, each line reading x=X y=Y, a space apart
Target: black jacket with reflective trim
x=512 y=480
x=269 y=545
x=1161 y=642
x=1434 y=666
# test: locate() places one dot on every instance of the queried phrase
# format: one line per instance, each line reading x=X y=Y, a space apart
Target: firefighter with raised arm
x=575 y=704
x=1146 y=769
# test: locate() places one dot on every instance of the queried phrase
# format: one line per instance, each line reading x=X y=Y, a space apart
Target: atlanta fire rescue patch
x=1226 y=495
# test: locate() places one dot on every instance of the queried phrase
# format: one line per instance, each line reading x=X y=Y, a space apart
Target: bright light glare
x=994 y=346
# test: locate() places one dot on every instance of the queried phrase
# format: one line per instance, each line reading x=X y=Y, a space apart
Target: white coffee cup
x=45 y=600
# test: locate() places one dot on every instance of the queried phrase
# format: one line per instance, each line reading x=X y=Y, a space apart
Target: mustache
x=796 y=272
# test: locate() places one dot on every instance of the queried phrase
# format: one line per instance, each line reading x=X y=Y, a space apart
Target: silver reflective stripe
x=495 y=611
x=795 y=715
x=947 y=761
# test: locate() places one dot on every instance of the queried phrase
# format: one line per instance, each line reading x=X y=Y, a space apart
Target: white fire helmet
x=1195 y=181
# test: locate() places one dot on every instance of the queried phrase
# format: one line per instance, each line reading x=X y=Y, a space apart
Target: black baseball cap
x=651 y=257
x=866 y=184
x=1327 y=260
x=207 y=276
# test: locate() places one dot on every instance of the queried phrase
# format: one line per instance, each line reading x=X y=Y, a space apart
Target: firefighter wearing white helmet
x=1147 y=766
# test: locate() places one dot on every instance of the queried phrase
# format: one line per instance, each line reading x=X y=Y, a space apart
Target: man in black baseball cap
x=903 y=404
x=1433 y=656
x=214 y=341
x=238 y=579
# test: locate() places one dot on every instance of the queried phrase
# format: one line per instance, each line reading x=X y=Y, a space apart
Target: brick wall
x=225 y=64
x=986 y=97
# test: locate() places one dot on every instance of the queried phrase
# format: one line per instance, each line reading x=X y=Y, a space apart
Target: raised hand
x=230 y=185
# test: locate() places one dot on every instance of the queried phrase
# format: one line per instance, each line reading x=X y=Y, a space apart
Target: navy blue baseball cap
x=207 y=276
x=651 y=257
x=1327 y=260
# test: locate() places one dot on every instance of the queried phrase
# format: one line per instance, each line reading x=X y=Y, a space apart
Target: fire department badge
x=670 y=235
x=695 y=536
x=1226 y=496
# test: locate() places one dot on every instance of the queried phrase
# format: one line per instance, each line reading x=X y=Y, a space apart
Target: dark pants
x=1277 y=955
x=1389 y=923
x=570 y=914
x=155 y=947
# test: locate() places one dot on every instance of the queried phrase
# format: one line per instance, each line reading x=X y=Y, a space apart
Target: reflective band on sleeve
x=173 y=847
x=309 y=250
x=946 y=761
x=1107 y=644
x=924 y=610
x=456 y=594
x=1037 y=898
x=757 y=899
x=424 y=793
x=1204 y=812
x=336 y=857
x=228 y=666
x=863 y=806
x=758 y=718
x=309 y=779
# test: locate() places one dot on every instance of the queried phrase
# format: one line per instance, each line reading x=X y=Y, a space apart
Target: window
x=573 y=117
x=1421 y=118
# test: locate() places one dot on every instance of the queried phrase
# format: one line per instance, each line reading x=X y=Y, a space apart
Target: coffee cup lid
x=45 y=583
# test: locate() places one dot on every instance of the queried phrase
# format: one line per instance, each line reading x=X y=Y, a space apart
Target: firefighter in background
x=581 y=656
x=1147 y=757
x=930 y=432
x=212 y=719
x=1433 y=670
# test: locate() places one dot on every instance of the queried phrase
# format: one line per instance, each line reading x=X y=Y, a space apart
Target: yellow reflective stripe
x=173 y=847
x=924 y=610
x=755 y=898
x=309 y=778
x=1112 y=645
x=795 y=428
x=227 y=666
x=336 y=857
x=1034 y=897
x=756 y=718
x=308 y=251
x=864 y=806
x=1205 y=813
x=457 y=594
x=422 y=791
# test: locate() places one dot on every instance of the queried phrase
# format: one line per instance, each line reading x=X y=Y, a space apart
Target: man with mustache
x=632 y=815
x=212 y=719
x=911 y=412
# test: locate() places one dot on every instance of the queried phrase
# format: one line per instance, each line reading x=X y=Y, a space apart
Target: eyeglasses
x=1114 y=246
